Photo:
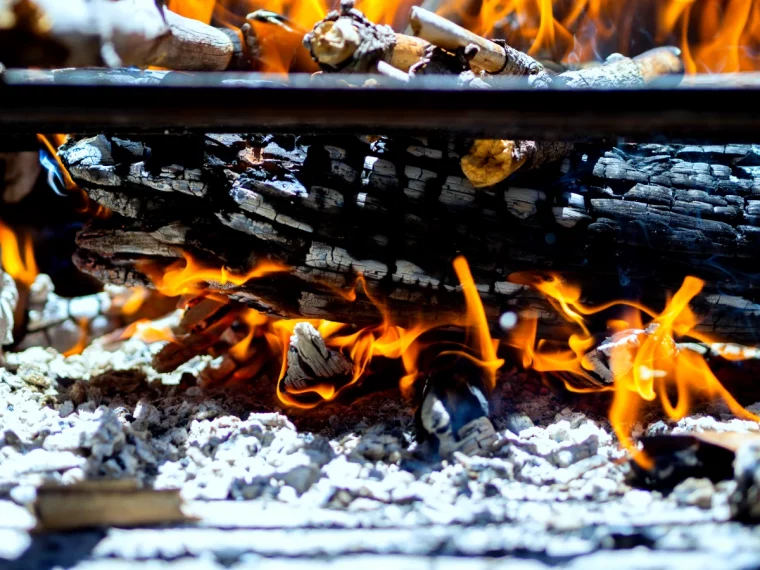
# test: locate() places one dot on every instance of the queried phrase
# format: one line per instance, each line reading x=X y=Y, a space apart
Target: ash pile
x=351 y=484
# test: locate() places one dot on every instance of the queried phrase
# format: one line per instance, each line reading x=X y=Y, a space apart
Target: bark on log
x=630 y=222
x=80 y=33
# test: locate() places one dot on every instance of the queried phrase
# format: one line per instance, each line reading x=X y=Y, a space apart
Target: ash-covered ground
x=345 y=485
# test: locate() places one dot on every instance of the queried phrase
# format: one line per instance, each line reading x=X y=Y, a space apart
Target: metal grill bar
x=84 y=101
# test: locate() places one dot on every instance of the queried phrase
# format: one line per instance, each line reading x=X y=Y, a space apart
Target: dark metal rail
x=84 y=101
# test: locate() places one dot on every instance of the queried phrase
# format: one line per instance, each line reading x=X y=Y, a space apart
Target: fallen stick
x=105 y=503
x=50 y=33
x=492 y=57
x=347 y=41
x=174 y=354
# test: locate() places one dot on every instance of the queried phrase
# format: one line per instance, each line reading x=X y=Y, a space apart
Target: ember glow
x=18 y=260
x=716 y=36
x=647 y=365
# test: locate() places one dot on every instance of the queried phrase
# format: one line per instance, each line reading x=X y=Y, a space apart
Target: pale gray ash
x=343 y=485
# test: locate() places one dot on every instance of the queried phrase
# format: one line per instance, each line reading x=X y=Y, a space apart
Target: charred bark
x=621 y=222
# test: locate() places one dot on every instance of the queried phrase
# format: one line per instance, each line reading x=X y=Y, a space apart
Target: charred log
x=621 y=222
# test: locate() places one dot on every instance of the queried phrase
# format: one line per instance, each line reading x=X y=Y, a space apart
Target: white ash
x=554 y=485
x=8 y=302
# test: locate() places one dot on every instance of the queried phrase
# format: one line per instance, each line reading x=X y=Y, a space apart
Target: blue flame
x=55 y=176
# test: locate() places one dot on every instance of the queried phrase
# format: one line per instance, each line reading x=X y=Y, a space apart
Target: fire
x=191 y=276
x=715 y=35
x=18 y=262
x=648 y=366
x=134 y=302
x=385 y=340
x=148 y=332
x=83 y=341
x=86 y=206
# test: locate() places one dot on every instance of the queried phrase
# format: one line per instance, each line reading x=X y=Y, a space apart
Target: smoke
x=54 y=174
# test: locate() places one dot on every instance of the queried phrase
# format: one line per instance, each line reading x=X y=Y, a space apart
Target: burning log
x=491 y=57
x=322 y=210
x=48 y=33
x=635 y=219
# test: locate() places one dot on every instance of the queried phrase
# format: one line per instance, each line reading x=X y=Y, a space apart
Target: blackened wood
x=627 y=222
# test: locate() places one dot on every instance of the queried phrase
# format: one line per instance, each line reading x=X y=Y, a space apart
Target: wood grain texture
x=626 y=222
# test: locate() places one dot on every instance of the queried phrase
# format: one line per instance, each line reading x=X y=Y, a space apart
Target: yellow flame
x=82 y=341
x=385 y=340
x=657 y=367
x=19 y=265
x=192 y=277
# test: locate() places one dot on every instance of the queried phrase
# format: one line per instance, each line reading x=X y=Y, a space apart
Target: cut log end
x=334 y=42
x=491 y=161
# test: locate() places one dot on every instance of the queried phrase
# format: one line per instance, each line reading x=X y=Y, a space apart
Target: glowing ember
x=647 y=364
x=716 y=35
x=19 y=264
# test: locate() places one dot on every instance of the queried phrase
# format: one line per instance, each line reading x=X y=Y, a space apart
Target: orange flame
x=21 y=266
x=648 y=367
x=146 y=331
x=715 y=35
x=134 y=302
x=84 y=336
x=192 y=277
x=385 y=340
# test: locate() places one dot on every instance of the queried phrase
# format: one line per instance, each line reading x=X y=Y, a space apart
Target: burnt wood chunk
x=624 y=222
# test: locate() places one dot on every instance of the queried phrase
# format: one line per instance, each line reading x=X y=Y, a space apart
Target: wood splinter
x=311 y=362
